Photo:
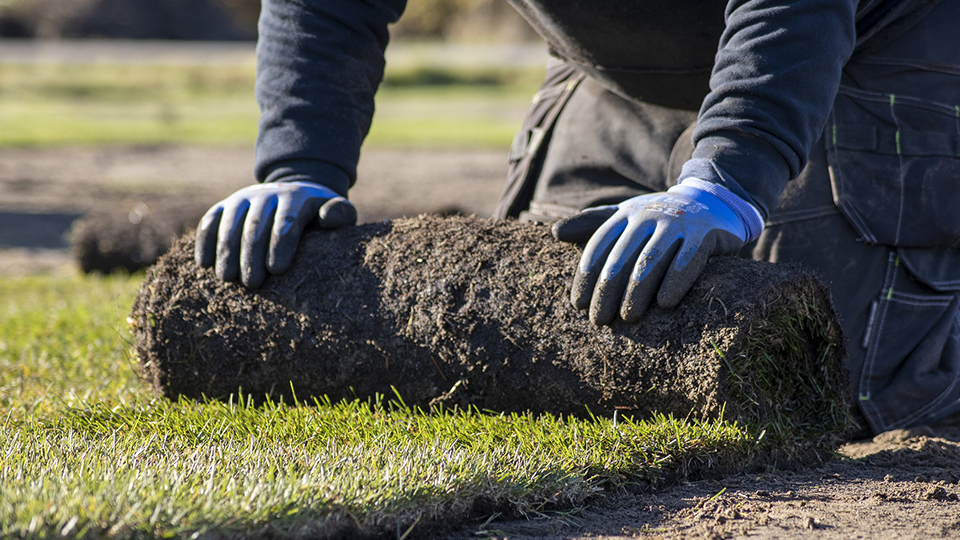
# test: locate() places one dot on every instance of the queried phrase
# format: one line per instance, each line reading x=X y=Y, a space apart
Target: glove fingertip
x=580 y=292
x=579 y=228
x=227 y=269
x=669 y=299
x=632 y=312
x=602 y=315
x=253 y=264
x=205 y=246
x=606 y=301
x=283 y=250
x=561 y=231
x=337 y=213
x=253 y=278
x=678 y=283
x=201 y=253
x=279 y=261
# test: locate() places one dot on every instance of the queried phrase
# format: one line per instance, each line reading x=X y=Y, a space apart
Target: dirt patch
x=901 y=485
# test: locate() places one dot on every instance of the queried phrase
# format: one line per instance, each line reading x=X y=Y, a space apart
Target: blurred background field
x=459 y=73
x=450 y=20
x=185 y=94
x=93 y=118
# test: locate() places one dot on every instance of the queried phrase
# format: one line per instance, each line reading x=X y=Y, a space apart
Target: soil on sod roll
x=469 y=312
x=132 y=238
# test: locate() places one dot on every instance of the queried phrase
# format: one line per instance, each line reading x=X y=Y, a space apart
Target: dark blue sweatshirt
x=776 y=73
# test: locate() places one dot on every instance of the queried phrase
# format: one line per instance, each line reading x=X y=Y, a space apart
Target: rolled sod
x=131 y=238
x=465 y=312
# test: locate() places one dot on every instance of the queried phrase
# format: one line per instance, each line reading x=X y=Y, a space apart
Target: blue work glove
x=653 y=246
x=257 y=229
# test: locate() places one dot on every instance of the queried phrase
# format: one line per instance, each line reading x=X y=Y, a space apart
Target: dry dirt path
x=42 y=191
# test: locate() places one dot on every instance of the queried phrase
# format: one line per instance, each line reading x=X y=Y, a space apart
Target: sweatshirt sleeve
x=776 y=75
x=319 y=63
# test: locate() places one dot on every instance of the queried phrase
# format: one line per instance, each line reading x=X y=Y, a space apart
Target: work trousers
x=874 y=212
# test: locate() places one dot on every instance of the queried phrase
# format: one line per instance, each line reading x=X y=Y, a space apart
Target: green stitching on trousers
x=893 y=100
x=896 y=261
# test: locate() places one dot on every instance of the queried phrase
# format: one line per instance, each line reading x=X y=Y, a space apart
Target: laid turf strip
x=462 y=311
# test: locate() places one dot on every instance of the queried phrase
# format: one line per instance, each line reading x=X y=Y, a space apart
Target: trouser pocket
x=529 y=144
x=911 y=370
x=895 y=160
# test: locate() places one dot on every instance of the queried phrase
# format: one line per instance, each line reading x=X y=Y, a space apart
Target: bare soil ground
x=901 y=485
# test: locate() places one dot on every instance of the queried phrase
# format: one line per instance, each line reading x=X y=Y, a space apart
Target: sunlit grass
x=63 y=342
x=56 y=104
x=161 y=470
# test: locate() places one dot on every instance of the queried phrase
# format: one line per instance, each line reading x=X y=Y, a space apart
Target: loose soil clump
x=458 y=312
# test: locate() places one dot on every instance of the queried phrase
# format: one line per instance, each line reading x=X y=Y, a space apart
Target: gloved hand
x=257 y=229
x=653 y=245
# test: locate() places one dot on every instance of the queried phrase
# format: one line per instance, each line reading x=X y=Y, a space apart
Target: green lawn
x=51 y=104
x=87 y=452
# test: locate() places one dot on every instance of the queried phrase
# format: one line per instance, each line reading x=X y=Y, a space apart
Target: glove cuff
x=312 y=171
x=747 y=213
